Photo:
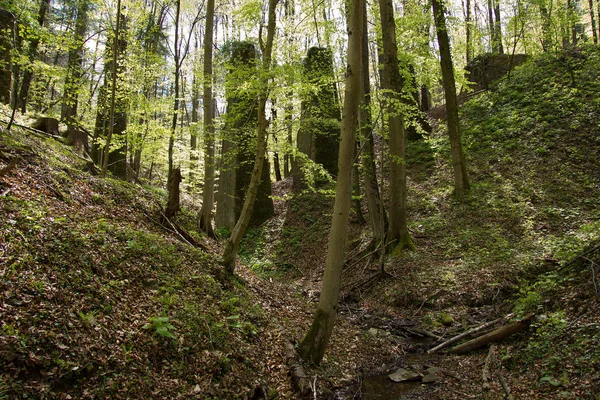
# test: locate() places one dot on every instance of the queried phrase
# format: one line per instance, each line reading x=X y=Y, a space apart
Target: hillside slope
x=97 y=300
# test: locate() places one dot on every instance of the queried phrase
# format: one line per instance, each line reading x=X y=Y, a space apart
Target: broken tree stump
x=493 y=336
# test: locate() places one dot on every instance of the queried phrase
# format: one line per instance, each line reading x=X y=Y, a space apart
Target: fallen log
x=466 y=334
x=493 y=336
x=300 y=381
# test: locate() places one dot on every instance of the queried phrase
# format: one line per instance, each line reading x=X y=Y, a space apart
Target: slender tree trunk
x=7 y=26
x=398 y=234
x=360 y=218
x=376 y=212
x=194 y=125
x=468 y=28
x=461 y=181
x=274 y=124
x=598 y=19
x=289 y=108
x=492 y=31
x=209 y=128
x=176 y=57
x=593 y=20
x=115 y=56
x=75 y=67
x=498 y=28
x=313 y=346
x=231 y=247
x=33 y=50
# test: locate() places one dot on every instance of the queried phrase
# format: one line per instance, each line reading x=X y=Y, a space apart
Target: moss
x=313 y=346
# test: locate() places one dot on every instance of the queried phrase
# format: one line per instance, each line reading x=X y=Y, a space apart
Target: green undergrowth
x=532 y=145
x=287 y=247
x=96 y=300
x=515 y=240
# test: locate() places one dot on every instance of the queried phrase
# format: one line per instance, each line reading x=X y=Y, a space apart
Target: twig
x=314 y=387
x=467 y=333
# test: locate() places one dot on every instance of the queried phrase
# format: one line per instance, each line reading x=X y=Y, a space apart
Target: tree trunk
x=209 y=128
x=75 y=67
x=593 y=20
x=360 y=218
x=194 y=125
x=499 y=48
x=117 y=116
x=7 y=22
x=468 y=28
x=376 y=212
x=274 y=125
x=231 y=247
x=176 y=57
x=173 y=188
x=33 y=50
x=398 y=234
x=492 y=31
x=313 y=346
x=461 y=181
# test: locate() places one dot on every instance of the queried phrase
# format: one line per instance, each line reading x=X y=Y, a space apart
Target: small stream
x=378 y=386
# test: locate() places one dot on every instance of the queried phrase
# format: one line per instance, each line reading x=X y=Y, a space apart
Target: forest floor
x=99 y=299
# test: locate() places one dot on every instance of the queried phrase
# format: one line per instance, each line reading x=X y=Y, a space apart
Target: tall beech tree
x=461 y=180
x=313 y=346
x=232 y=245
x=209 y=128
x=392 y=84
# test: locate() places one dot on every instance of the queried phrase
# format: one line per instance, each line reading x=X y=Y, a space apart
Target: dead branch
x=505 y=386
x=487 y=368
x=493 y=336
x=300 y=381
x=466 y=334
x=9 y=167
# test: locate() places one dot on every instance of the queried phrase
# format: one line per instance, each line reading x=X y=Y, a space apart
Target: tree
x=376 y=211
x=461 y=181
x=231 y=247
x=313 y=346
x=117 y=117
x=7 y=25
x=392 y=83
x=209 y=129
x=33 y=50
x=75 y=66
x=593 y=21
